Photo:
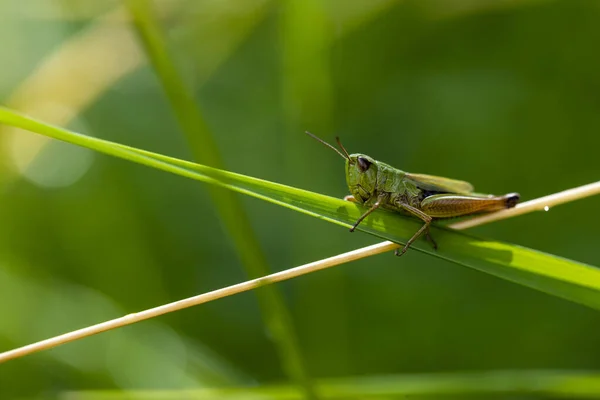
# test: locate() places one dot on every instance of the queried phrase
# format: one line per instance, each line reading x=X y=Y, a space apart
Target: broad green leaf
x=557 y=276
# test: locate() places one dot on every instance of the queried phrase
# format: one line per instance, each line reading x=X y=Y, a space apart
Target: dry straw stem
x=542 y=203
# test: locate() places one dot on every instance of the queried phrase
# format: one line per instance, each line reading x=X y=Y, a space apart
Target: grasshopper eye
x=363 y=164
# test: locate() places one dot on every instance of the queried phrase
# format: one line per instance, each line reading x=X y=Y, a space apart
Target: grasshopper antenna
x=339 y=142
x=344 y=154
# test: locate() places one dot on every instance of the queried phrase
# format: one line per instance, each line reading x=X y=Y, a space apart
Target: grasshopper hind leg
x=431 y=240
x=511 y=199
x=424 y=229
x=456 y=205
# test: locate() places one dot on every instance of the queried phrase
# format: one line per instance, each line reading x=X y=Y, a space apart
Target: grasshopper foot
x=399 y=252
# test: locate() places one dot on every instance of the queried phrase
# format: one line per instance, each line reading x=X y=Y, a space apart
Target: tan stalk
x=542 y=203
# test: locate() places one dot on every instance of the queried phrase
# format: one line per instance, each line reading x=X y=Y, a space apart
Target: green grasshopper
x=427 y=197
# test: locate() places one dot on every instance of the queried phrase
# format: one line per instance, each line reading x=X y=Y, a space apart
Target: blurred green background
x=504 y=94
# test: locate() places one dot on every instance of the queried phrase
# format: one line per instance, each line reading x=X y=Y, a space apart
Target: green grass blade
x=204 y=149
x=554 y=275
x=548 y=383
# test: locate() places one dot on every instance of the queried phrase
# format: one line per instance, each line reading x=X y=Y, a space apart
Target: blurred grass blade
x=557 y=276
x=237 y=225
x=548 y=383
x=307 y=99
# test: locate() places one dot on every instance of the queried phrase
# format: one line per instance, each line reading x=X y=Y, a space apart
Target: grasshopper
x=427 y=197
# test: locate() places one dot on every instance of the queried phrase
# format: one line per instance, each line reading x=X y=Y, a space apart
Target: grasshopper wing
x=440 y=184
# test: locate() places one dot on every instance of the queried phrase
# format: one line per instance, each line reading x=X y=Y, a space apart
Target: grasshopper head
x=361 y=171
x=361 y=176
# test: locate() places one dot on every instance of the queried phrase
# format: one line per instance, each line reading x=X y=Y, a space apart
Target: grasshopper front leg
x=380 y=200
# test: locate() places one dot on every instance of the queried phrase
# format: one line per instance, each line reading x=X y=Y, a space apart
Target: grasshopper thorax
x=361 y=176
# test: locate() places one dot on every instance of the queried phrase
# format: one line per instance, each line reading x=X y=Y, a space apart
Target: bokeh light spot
x=46 y=162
